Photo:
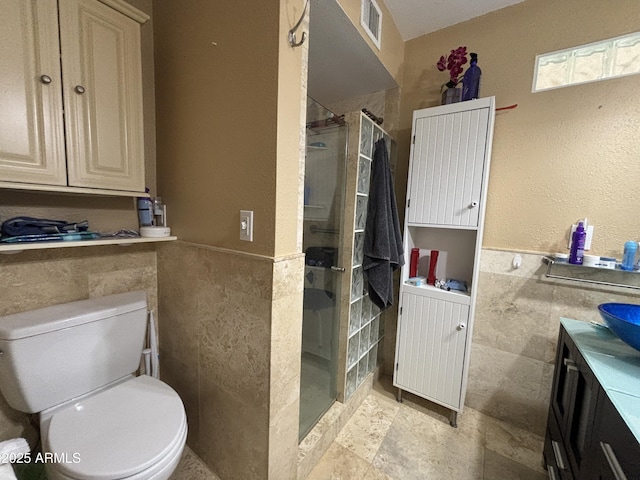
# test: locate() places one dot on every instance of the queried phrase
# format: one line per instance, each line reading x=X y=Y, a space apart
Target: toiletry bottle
x=433 y=262
x=629 y=255
x=158 y=212
x=413 y=265
x=577 y=245
x=471 y=80
x=145 y=210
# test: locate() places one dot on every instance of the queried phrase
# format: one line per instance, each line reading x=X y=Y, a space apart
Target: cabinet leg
x=453 y=419
x=399 y=395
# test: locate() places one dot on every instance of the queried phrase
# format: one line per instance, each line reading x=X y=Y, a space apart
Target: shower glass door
x=324 y=193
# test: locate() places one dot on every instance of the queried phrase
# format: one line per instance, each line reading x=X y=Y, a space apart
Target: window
x=371 y=20
x=615 y=57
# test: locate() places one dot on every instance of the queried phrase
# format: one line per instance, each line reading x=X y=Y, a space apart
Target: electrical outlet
x=246 y=225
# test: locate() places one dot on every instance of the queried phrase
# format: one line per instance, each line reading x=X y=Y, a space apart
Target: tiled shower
x=359 y=331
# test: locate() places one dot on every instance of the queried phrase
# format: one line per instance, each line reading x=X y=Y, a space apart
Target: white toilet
x=73 y=364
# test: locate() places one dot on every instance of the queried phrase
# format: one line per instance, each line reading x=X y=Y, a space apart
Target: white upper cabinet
x=31 y=118
x=91 y=71
x=447 y=161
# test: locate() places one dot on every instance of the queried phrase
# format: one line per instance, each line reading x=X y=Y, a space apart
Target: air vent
x=371 y=20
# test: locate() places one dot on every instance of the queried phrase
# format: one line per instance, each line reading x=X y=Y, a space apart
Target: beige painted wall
x=561 y=155
x=229 y=97
x=391 y=51
x=228 y=110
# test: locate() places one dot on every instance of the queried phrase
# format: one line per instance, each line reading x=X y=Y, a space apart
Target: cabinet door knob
x=461 y=326
x=46 y=79
x=474 y=204
x=337 y=269
x=79 y=89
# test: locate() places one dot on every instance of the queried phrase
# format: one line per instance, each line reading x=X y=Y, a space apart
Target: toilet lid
x=117 y=432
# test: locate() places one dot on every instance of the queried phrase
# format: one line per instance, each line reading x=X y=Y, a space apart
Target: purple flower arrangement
x=454 y=62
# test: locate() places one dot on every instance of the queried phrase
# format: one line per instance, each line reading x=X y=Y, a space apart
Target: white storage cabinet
x=71 y=87
x=446 y=197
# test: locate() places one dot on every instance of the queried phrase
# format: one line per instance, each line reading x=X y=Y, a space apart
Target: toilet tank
x=57 y=353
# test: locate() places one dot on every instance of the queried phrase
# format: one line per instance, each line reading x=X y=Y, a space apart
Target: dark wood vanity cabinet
x=615 y=452
x=586 y=437
x=572 y=411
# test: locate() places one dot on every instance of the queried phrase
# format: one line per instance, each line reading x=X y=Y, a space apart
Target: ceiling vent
x=371 y=20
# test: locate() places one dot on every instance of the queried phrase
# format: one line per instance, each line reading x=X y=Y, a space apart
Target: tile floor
x=387 y=440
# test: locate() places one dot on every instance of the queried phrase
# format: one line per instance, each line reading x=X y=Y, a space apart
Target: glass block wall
x=366 y=329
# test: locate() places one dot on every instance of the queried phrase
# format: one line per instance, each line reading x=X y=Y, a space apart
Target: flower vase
x=451 y=95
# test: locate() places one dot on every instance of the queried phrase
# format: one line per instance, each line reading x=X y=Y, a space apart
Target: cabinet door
x=430 y=350
x=103 y=96
x=581 y=416
x=615 y=451
x=565 y=376
x=447 y=163
x=31 y=120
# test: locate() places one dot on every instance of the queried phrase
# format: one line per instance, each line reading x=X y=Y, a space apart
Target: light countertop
x=614 y=363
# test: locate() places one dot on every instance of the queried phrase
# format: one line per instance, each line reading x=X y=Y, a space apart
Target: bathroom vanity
x=593 y=427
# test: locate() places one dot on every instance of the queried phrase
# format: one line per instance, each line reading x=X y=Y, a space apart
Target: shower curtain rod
x=328 y=122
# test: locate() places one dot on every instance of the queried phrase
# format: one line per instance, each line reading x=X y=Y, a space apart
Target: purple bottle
x=471 y=80
x=577 y=245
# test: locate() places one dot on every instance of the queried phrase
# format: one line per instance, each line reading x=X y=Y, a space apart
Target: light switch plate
x=246 y=225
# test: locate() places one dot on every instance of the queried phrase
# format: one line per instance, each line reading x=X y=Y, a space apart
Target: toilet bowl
x=73 y=364
x=84 y=433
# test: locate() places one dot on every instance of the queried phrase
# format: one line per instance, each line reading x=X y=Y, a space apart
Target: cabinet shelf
x=472 y=228
x=19 y=247
x=429 y=290
x=70 y=190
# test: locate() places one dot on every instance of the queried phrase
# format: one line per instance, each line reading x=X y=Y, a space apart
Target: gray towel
x=383 y=252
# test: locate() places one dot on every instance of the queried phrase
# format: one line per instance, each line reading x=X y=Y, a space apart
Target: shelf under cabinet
x=19 y=247
x=455 y=296
x=443 y=226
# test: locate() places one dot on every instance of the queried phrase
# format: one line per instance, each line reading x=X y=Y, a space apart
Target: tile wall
x=230 y=330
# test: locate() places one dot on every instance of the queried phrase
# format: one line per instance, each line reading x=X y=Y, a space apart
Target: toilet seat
x=135 y=429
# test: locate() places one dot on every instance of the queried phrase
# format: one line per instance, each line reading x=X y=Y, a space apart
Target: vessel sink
x=624 y=320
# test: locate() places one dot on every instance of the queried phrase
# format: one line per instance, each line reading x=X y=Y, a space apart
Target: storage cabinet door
x=581 y=416
x=103 y=96
x=565 y=377
x=615 y=452
x=430 y=350
x=31 y=120
x=446 y=170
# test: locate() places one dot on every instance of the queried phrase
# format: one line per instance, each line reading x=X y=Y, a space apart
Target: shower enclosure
x=324 y=196
x=342 y=329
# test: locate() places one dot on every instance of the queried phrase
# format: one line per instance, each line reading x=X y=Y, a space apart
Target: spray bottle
x=471 y=80
x=577 y=245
